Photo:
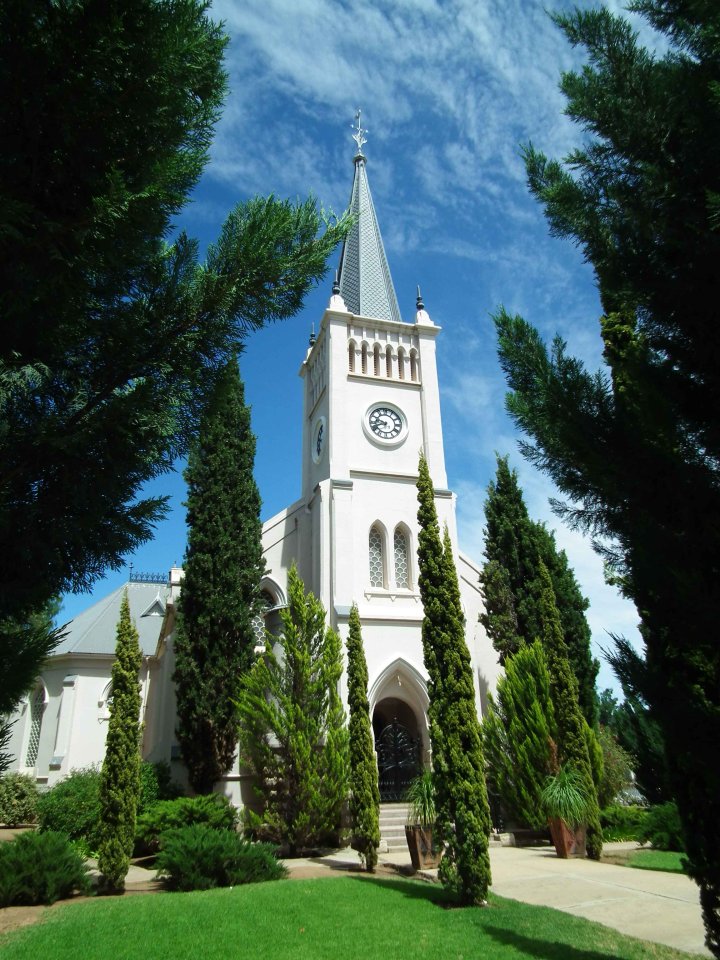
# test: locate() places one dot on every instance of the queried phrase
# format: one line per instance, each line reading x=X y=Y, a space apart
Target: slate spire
x=364 y=276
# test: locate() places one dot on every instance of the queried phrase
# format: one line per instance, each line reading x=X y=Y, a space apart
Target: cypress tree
x=517 y=731
x=215 y=637
x=364 y=790
x=120 y=776
x=571 y=606
x=292 y=727
x=510 y=580
x=572 y=730
x=463 y=814
x=505 y=576
x=635 y=446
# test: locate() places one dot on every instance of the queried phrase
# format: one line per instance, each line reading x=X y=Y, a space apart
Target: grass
x=665 y=860
x=352 y=918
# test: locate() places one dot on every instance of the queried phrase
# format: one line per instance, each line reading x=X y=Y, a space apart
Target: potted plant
x=421 y=822
x=565 y=803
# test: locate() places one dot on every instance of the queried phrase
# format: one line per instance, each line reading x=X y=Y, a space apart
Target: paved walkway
x=660 y=907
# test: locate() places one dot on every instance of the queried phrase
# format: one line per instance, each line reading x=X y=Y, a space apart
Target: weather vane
x=359 y=135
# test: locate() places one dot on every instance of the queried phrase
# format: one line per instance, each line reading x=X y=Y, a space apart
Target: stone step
x=393 y=824
x=393 y=817
x=395 y=833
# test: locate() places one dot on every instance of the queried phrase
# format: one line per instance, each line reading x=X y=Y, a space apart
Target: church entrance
x=398 y=746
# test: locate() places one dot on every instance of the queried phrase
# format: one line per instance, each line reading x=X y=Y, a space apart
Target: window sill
x=398 y=593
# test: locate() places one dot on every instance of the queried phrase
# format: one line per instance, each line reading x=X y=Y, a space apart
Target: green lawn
x=665 y=860
x=338 y=919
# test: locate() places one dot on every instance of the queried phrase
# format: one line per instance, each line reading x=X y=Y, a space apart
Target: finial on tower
x=421 y=316
x=359 y=135
x=336 y=301
x=313 y=338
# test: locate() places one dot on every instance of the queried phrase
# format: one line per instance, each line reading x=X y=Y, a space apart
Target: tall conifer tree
x=463 y=814
x=512 y=588
x=638 y=452
x=516 y=733
x=573 y=734
x=120 y=777
x=214 y=638
x=364 y=789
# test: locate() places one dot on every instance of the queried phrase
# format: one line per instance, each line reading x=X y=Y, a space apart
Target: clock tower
x=371 y=405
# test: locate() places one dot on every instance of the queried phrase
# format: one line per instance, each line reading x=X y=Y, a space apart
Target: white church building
x=371 y=404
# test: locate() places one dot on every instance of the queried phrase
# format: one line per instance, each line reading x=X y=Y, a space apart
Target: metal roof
x=94 y=631
x=364 y=276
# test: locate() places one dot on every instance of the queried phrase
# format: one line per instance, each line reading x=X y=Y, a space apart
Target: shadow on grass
x=544 y=949
x=490 y=921
x=412 y=889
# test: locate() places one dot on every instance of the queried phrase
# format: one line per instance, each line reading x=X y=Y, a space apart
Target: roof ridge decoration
x=365 y=284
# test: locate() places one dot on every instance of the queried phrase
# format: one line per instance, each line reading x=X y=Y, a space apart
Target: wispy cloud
x=450 y=90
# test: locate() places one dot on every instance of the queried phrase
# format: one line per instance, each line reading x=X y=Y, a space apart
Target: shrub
x=40 y=868
x=663 y=828
x=622 y=823
x=617 y=768
x=156 y=784
x=200 y=858
x=18 y=799
x=72 y=807
x=213 y=811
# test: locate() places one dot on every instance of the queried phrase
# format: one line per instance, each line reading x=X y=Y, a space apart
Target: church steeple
x=364 y=276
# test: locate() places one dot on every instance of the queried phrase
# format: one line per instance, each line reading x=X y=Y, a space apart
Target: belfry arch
x=398 y=706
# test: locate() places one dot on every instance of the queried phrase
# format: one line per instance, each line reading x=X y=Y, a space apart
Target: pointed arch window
x=402 y=558
x=37 y=709
x=105 y=702
x=413 y=366
x=401 y=363
x=351 y=356
x=364 y=358
x=376 y=558
x=376 y=359
x=388 y=362
x=267 y=601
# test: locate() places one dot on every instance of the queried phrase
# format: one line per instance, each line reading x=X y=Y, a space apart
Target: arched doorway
x=398 y=745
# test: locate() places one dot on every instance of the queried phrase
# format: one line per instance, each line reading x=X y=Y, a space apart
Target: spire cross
x=359 y=135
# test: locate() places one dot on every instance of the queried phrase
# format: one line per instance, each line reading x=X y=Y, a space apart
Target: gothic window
x=402 y=559
x=363 y=357
x=351 y=356
x=268 y=602
x=401 y=363
x=376 y=359
x=377 y=565
x=37 y=708
x=388 y=361
x=413 y=365
x=105 y=702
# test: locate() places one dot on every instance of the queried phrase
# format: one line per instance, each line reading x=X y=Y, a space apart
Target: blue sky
x=449 y=92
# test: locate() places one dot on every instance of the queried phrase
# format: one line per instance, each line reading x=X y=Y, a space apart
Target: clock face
x=385 y=423
x=318 y=439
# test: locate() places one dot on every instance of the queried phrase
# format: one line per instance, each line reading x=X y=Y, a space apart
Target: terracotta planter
x=568 y=842
x=423 y=852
